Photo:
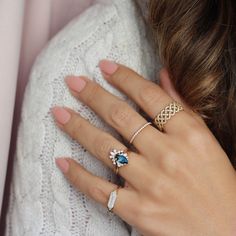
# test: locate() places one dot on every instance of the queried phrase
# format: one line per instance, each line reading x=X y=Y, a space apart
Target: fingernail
x=62 y=115
x=63 y=164
x=108 y=67
x=75 y=83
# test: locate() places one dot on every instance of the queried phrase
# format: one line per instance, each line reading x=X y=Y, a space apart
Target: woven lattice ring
x=169 y=111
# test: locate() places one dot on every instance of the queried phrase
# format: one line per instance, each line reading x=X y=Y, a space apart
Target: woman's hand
x=179 y=182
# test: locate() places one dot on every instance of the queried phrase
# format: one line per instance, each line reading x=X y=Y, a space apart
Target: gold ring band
x=169 y=111
x=138 y=131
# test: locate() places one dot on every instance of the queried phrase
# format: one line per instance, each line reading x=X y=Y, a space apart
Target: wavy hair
x=196 y=41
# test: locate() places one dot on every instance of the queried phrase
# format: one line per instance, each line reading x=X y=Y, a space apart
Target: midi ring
x=169 y=111
x=112 y=199
x=138 y=131
x=119 y=158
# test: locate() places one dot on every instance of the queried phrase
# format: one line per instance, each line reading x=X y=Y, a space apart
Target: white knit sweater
x=42 y=202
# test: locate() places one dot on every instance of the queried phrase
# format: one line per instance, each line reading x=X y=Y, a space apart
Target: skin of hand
x=178 y=182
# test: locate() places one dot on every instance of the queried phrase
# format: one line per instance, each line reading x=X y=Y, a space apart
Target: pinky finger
x=98 y=188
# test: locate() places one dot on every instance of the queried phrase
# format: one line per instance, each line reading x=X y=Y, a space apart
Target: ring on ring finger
x=119 y=158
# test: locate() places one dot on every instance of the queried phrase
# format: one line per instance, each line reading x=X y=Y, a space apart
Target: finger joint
x=74 y=126
x=121 y=115
x=92 y=93
x=150 y=95
x=97 y=193
x=103 y=145
x=121 y=76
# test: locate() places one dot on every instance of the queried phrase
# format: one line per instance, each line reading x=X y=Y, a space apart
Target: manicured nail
x=108 y=67
x=62 y=115
x=75 y=83
x=63 y=164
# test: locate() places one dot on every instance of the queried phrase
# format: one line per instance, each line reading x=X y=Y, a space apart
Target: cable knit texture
x=42 y=202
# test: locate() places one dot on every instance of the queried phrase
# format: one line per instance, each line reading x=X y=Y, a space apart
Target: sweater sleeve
x=42 y=202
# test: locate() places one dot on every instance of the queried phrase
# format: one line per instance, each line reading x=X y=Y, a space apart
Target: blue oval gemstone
x=121 y=159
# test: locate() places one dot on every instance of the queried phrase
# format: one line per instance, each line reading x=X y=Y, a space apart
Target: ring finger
x=99 y=143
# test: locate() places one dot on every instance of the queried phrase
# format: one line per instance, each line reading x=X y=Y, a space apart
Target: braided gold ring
x=169 y=111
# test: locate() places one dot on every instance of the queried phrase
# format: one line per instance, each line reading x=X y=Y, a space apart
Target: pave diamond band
x=138 y=131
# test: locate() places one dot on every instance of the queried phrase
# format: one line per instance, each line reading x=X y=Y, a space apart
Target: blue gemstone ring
x=119 y=158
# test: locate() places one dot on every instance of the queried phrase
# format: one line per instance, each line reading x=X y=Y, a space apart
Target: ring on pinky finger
x=112 y=199
x=97 y=188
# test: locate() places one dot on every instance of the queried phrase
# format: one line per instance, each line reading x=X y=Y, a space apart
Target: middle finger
x=115 y=112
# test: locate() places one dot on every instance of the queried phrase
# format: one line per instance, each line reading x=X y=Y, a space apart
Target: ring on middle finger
x=119 y=158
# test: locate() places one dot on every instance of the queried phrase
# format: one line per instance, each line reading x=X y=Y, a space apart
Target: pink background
x=25 y=27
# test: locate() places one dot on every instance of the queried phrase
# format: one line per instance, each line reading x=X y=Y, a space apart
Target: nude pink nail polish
x=62 y=115
x=63 y=164
x=108 y=67
x=75 y=83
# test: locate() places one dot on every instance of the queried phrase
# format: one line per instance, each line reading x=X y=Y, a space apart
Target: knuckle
x=121 y=75
x=150 y=95
x=138 y=214
x=171 y=164
x=161 y=188
x=195 y=134
x=145 y=212
x=91 y=93
x=149 y=218
x=156 y=188
x=74 y=126
x=150 y=188
x=103 y=145
x=75 y=180
x=96 y=192
x=154 y=181
x=120 y=114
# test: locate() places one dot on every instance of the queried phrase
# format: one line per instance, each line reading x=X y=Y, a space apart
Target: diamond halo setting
x=119 y=158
